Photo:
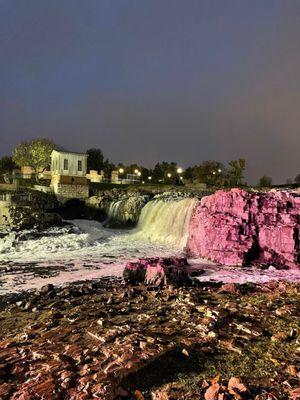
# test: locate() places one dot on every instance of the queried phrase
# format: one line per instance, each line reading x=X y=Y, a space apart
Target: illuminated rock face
x=157 y=271
x=237 y=228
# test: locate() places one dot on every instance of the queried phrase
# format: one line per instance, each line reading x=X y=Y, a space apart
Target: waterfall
x=166 y=221
x=113 y=212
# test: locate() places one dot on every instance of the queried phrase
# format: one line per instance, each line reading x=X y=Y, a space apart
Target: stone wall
x=238 y=228
x=66 y=191
x=27 y=209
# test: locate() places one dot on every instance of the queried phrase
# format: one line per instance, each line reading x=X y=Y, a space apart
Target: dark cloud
x=155 y=80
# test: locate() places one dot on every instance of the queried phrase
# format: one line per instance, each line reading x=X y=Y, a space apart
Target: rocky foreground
x=108 y=341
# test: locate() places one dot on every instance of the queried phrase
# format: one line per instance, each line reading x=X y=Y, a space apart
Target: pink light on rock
x=237 y=227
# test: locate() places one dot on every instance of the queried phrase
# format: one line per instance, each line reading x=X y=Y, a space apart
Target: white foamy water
x=227 y=274
x=90 y=251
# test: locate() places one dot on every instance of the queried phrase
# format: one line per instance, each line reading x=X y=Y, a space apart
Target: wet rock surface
x=239 y=228
x=157 y=271
x=117 y=208
x=108 y=340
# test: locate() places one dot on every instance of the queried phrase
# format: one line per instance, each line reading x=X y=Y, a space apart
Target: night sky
x=153 y=80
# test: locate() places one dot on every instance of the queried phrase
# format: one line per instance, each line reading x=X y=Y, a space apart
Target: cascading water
x=113 y=212
x=166 y=221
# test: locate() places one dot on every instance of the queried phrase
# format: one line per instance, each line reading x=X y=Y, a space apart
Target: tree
x=7 y=164
x=188 y=174
x=210 y=172
x=35 y=154
x=95 y=159
x=297 y=178
x=166 y=172
x=235 y=172
x=108 y=167
x=265 y=181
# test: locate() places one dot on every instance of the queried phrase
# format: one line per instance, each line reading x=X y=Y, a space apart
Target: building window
x=66 y=164
x=79 y=165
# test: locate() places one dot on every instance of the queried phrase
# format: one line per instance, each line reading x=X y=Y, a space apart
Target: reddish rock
x=41 y=388
x=237 y=227
x=237 y=389
x=157 y=271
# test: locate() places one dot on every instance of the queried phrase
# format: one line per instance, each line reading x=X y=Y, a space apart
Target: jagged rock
x=47 y=288
x=157 y=271
x=117 y=208
x=237 y=227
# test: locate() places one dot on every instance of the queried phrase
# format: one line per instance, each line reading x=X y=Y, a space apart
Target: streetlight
x=139 y=173
x=121 y=170
x=149 y=177
x=179 y=170
x=169 y=175
x=219 y=170
x=214 y=172
x=136 y=171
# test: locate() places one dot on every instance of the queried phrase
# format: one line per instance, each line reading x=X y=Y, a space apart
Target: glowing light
x=214 y=172
x=136 y=171
x=179 y=170
x=149 y=177
x=181 y=178
x=121 y=170
x=219 y=170
x=139 y=173
x=169 y=175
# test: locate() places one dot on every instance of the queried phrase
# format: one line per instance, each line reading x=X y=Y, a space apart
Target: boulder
x=237 y=227
x=117 y=208
x=157 y=271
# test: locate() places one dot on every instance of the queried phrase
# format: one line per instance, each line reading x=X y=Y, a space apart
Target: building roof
x=69 y=152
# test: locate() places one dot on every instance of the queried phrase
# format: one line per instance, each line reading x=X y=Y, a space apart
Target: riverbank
x=109 y=341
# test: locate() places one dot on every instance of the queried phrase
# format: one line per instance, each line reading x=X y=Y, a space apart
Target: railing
x=15 y=197
x=5 y=196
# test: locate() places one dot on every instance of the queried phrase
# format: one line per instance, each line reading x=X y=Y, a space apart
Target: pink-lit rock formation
x=157 y=271
x=237 y=227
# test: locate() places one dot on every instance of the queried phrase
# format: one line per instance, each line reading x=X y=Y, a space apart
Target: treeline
x=36 y=154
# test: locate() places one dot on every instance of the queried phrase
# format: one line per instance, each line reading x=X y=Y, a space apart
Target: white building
x=68 y=174
x=68 y=163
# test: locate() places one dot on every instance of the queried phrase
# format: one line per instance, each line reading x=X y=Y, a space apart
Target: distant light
x=149 y=177
x=139 y=173
x=121 y=170
x=181 y=177
x=136 y=171
x=179 y=170
x=214 y=172
x=169 y=175
x=143 y=181
x=219 y=170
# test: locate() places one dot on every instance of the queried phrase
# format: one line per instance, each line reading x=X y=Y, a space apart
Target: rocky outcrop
x=237 y=227
x=157 y=271
x=29 y=209
x=117 y=208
